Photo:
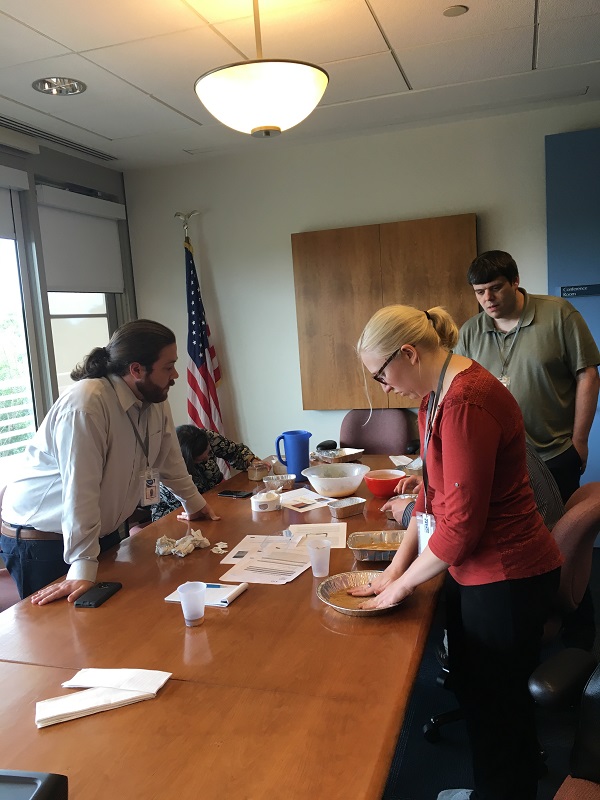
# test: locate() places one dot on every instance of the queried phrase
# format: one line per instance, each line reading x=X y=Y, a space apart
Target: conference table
x=276 y=696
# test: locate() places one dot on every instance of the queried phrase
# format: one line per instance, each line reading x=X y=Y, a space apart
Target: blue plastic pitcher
x=295 y=444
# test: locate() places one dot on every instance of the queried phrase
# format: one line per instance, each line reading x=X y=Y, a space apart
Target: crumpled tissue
x=181 y=547
x=220 y=548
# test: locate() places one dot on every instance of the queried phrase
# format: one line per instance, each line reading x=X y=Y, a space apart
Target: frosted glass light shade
x=262 y=97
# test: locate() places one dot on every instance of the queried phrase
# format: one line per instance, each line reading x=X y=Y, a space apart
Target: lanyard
x=504 y=360
x=434 y=399
x=143 y=444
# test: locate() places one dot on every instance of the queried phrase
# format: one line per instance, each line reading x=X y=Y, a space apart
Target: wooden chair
x=380 y=431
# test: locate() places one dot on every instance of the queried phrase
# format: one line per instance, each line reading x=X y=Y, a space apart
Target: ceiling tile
x=110 y=107
x=20 y=43
x=354 y=79
x=569 y=42
x=558 y=9
x=215 y=11
x=96 y=23
x=413 y=23
x=302 y=36
x=167 y=67
x=477 y=59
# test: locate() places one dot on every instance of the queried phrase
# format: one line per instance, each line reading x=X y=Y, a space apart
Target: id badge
x=149 y=487
x=505 y=380
x=425 y=527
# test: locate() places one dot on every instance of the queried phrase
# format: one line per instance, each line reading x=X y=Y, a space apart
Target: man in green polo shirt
x=542 y=350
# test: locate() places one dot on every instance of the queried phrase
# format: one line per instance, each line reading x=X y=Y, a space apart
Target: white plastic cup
x=192 y=596
x=319 y=550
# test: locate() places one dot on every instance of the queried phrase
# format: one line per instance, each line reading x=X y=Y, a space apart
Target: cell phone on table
x=230 y=493
x=97 y=595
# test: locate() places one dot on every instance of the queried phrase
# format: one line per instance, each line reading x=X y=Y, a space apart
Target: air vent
x=20 y=127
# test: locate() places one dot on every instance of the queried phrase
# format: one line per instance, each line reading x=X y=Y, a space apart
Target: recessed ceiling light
x=59 y=86
x=455 y=11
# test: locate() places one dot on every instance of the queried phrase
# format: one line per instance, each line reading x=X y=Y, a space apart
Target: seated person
x=200 y=449
x=545 y=490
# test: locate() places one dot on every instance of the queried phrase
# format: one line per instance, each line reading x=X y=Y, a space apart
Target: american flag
x=203 y=372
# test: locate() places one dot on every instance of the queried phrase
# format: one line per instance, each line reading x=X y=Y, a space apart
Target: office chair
x=380 y=431
x=574 y=533
x=583 y=782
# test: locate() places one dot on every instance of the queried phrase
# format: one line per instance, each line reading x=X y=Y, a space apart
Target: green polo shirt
x=553 y=344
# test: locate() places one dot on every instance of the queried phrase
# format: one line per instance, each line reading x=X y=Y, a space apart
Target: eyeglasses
x=379 y=374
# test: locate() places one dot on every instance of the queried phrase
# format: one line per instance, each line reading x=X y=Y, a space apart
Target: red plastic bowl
x=383 y=482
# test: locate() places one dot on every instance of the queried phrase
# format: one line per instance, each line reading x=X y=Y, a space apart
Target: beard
x=150 y=391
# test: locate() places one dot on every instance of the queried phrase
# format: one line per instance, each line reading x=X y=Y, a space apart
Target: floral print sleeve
x=236 y=455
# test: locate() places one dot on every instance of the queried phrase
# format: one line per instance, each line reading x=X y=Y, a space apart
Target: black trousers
x=566 y=471
x=494 y=637
x=580 y=625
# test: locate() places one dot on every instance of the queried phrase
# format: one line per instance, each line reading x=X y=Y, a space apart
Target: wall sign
x=585 y=290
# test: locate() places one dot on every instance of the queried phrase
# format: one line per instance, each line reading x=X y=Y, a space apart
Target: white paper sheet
x=139 y=680
x=334 y=531
x=106 y=691
x=302 y=500
x=277 y=566
x=400 y=461
x=218 y=595
x=250 y=545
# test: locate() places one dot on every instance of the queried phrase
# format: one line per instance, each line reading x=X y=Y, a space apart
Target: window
x=17 y=420
x=79 y=324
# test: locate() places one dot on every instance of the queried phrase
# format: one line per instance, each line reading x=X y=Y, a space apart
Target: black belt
x=29 y=533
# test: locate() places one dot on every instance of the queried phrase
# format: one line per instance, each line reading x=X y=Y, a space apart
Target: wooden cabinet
x=343 y=276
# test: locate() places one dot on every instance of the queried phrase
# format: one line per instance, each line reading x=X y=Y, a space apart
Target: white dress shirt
x=82 y=470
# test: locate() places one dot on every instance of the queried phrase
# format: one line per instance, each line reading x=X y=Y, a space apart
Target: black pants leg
x=580 y=625
x=566 y=471
x=494 y=635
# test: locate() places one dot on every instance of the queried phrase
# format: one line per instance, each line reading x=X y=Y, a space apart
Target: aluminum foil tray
x=331 y=592
x=370 y=545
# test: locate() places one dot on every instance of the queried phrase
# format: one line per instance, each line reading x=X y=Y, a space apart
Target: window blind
x=82 y=253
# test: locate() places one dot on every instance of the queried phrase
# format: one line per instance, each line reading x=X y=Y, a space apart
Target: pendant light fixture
x=262 y=97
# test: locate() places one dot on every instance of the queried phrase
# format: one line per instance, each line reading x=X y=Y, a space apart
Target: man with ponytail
x=101 y=450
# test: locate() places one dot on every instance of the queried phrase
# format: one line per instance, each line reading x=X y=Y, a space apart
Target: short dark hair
x=141 y=340
x=193 y=442
x=491 y=265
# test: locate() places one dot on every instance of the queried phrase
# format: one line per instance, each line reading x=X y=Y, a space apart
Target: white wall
x=493 y=166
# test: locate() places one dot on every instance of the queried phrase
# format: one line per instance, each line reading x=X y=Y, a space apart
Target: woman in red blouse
x=476 y=518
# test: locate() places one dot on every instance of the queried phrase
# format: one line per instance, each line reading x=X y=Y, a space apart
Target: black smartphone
x=230 y=493
x=95 y=596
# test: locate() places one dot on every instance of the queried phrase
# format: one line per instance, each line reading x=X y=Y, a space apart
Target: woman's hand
x=397 y=506
x=394 y=592
x=375 y=587
x=258 y=462
x=411 y=484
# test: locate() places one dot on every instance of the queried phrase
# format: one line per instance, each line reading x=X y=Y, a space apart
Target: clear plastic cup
x=318 y=551
x=192 y=596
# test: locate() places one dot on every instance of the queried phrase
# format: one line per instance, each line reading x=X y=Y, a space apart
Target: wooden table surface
x=276 y=696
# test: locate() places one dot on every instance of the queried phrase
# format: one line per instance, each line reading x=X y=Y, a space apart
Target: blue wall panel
x=573 y=224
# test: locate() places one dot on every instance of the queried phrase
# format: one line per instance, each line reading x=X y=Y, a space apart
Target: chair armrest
x=559 y=681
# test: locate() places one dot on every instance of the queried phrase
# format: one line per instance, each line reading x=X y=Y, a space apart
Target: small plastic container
x=256 y=472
